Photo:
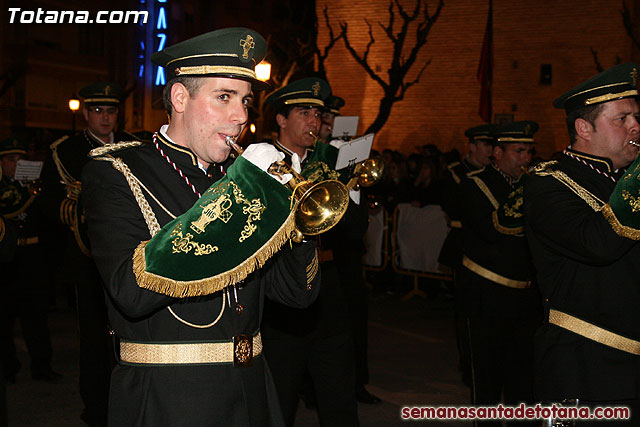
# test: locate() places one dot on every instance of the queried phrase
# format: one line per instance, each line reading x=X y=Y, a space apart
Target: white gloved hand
x=263 y=155
x=295 y=163
x=355 y=196
x=337 y=143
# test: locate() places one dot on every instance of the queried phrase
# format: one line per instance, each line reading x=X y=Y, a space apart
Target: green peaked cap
x=102 y=93
x=617 y=82
x=517 y=132
x=308 y=92
x=334 y=104
x=229 y=52
x=481 y=133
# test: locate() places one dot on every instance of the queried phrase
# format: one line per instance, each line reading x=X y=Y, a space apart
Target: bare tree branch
x=594 y=53
x=396 y=86
x=361 y=60
x=627 y=21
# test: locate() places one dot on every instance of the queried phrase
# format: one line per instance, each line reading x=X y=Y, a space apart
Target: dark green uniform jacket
x=194 y=395
x=451 y=252
x=503 y=254
x=586 y=270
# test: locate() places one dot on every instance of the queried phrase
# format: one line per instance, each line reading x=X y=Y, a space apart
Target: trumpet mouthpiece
x=313 y=135
x=634 y=143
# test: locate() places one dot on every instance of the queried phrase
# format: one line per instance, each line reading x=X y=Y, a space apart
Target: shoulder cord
x=154 y=227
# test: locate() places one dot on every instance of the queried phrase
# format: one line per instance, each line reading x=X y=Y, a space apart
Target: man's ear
x=584 y=129
x=498 y=152
x=179 y=97
x=281 y=120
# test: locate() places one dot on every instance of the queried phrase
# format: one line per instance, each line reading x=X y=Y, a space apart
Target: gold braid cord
x=111 y=147
x=455 y=177
x=209 y=285
x=64 y=174
x=145 y=208
x=595 y=203
x=2 y=229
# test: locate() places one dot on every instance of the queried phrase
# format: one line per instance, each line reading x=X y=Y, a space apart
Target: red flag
x=485 y=69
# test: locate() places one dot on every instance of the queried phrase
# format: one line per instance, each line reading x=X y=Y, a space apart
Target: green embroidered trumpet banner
x=321 y=164
x=232 y=230
x=623 y=209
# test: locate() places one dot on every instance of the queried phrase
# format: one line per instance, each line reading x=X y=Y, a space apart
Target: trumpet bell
x=321 y=207
x=371 y=171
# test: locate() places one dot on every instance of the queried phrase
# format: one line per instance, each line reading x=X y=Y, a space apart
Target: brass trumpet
x=320 y=205
x=366 y=173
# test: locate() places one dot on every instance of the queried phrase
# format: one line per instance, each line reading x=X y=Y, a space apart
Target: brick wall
x=445 y=101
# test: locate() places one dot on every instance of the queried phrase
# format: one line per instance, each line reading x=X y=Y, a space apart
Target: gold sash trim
x=593 y=332
x=455 y=223
x=28 y=241
x=483 y=187
x=494 y=277
x=182 y=354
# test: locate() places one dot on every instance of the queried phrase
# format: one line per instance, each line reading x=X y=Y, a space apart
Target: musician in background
x=70 y=154
x=481 y=142
x=24 y=285
x=500 y=298
x=333 y=104
x=583 y=229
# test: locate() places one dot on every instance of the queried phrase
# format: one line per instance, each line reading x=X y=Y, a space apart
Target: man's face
x=9 y=163
x=480 y=152
x=326 y=124
x=294 y=130
x=101 y=119
x=217 y=110
x=616 y=125
x=513 y=158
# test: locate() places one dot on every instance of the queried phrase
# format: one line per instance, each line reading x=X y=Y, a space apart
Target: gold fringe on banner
x=209 y=285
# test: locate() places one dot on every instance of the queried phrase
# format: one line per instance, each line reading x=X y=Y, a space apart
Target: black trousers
x=502 y=361
x=317 y=340
x=96 y=350
x=26 y=298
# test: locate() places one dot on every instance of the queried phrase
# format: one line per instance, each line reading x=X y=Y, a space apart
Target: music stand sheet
x=345 y=126
x=354 y=151
x=28 y=170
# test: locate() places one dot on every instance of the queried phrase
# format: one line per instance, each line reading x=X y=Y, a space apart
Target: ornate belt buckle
x=242 y=351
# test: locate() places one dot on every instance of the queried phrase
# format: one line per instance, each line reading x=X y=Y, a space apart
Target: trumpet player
x=582 y=228
x=167 y=203
x=332 y=109
x=320 y=334
x=500 y=298
x=25 y=286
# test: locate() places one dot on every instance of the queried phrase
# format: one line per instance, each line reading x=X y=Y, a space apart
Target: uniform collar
x=511 y=181
x=288 y=152
x=95 y=141
x=176 y=152
x=603 y=164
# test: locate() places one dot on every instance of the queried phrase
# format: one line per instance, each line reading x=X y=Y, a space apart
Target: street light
x=74 y=105
x=263 y=71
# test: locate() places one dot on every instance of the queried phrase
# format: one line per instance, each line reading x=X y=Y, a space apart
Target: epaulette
x=475 y=172
x=57 y=142
x=543 y=167
x=114 y=147
x=452 y=165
